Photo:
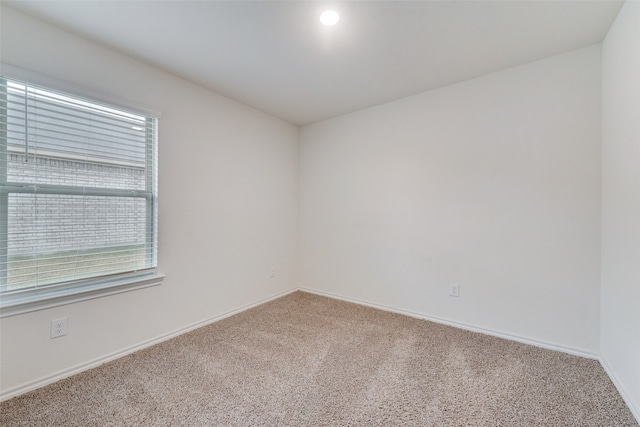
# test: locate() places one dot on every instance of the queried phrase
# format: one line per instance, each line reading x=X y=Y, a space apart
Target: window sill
x=15 y=306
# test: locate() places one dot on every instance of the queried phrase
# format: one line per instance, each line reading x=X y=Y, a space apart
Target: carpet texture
x=306 y=360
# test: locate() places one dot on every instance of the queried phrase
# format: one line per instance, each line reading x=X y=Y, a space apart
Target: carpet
x=307 y=360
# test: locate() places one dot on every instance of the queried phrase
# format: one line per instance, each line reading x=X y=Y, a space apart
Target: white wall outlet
x=454 y=290
x=58 y=327
x=272 y=273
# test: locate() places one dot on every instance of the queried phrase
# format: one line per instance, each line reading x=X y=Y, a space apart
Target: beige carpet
x=305 y=360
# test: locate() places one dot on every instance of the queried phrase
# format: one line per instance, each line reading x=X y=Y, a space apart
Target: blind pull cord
x=26 y=124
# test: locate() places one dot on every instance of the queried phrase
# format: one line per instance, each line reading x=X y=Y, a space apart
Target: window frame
x=34 y=298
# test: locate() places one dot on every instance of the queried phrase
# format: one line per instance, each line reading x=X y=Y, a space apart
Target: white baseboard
x=633 y=406
x=472 y=328
x=49 y=379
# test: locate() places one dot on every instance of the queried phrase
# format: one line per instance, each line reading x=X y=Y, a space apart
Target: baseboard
x=472 y=328
x=49 y=379
x=633 y=406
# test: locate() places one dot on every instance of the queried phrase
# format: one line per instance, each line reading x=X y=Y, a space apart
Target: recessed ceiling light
x=329 y=17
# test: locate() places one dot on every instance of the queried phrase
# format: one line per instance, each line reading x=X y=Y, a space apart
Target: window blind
x=78 y=191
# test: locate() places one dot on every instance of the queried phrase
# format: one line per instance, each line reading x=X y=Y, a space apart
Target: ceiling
x=277 y=57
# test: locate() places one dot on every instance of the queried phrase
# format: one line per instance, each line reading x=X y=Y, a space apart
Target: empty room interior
x=419 y=213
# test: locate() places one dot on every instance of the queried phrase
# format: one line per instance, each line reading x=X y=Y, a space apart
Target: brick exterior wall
x=67 y=222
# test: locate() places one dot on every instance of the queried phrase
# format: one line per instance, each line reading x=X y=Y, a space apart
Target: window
x=78 y=196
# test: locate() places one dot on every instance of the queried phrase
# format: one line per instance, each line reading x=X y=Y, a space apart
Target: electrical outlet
x=454 y=290
x=272 y=273
x=58 y=327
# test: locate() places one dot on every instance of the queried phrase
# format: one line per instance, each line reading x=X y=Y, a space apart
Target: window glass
x=78 y=193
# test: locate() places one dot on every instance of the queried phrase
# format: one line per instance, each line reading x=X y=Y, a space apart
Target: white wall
x=227 y=207
x=493 y=183
x=620 y=343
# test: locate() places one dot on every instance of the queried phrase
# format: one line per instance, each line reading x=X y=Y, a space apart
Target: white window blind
x=78 y=193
